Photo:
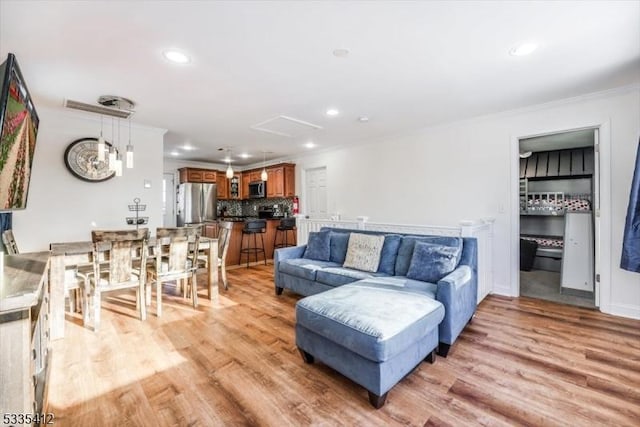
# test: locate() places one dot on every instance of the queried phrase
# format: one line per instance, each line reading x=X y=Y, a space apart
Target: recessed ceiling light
x=174 y=153
x=363 y=119
x=341 y=52
x=188 y=147
x=310 y=144
x=227 y=159
x=332 y=112
x=245 y=155
x=176 y=56
x=523 y=49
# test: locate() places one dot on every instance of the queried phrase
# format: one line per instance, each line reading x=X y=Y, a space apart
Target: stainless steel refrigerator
x=196 y=203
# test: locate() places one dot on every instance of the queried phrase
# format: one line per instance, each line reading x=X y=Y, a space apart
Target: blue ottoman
x=372 y=334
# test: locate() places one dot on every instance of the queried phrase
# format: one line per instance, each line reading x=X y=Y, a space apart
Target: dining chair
x=10 y=242
x=117 y=259
x=175 y=252
x=224 y=238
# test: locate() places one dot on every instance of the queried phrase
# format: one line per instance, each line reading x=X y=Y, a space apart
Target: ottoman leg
x=431 y=357
x=305 y=356
x=377 y=401
x=279 y=290
x=443 y=349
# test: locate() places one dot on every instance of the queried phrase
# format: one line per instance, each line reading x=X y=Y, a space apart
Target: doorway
x=558 y=221
x=316 y=192
x=168 y=200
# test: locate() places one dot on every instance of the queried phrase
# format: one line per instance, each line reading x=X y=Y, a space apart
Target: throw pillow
x=363 y=252
x=317 y=246
x=339 y=242
x=389 y=254
x=431 y=262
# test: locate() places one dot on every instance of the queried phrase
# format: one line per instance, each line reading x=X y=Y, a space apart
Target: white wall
x=463 y=170
x=63 y=208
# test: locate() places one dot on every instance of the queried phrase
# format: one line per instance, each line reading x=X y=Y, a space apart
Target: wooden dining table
x=68 y=254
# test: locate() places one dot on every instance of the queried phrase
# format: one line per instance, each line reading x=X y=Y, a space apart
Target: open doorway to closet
x=559 y=181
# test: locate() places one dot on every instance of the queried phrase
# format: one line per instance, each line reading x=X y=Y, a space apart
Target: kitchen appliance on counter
x=196 y=203
x=265 y=212
x=257 y=189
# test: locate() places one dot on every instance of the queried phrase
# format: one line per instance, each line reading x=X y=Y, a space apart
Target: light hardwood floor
x=520 y=362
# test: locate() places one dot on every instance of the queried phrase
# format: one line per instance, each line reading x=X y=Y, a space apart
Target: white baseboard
x=624 y=310
x=503 y=290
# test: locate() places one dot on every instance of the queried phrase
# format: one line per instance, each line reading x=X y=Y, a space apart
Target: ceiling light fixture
x=523 y=49
x=264 y=174
x=176 y=56
x=101 y=143
x=332 y=112
x=363 y=119
x=340 y=52
x=174 y=153
x=188 y=147
x=229 y=168
x=245 y=155
x=310 y=144
x=129 y=158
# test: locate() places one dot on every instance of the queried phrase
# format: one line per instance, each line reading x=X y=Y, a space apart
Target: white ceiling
x=411 y=64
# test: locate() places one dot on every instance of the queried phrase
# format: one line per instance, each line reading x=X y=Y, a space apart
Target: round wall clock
x=81 y=158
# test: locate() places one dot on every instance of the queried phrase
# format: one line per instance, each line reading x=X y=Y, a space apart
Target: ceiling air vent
x=285 y=126
x=98 y=109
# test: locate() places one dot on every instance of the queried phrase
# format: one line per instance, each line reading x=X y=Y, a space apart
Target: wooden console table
x=74 y=253
x=25 y=353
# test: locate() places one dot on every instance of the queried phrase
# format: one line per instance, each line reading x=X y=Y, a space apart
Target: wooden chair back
x=125 y=250
x=224 y=237
x=176 y=249
x=10 y=242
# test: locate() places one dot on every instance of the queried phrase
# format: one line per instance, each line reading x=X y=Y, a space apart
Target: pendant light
x=129 y=149
x=229 y=168
x=118 y=162
x=264 y=174
x=112 y=149
x=101 y=141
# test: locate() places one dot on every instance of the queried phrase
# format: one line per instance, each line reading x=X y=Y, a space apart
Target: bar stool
x=253 y=227
x=286 y=225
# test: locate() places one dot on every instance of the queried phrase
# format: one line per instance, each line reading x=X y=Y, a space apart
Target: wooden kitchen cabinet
x=210 y=229
x=234 y=187
x=281 y=181
x=222 y=186
x=197 y=175
x=246 y=179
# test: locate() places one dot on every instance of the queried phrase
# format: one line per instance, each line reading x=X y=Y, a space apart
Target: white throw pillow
x=363 y=252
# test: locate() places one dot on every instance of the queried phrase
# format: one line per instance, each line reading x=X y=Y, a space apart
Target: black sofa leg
x=306 y=356
x=377 y=401
x=279 y=290
x=431 y=357
x=443 y=349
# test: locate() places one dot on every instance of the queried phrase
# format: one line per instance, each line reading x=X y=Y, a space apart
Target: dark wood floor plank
x=520 y=362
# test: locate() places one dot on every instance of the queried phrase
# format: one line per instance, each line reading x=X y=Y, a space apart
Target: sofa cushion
x=318 y=246
x=405 y=252
x=338 y=276
x=304 y=268
x=408 y=285
x=363 y=252
x=374 y=322
x=338 y=244
x=430 y=262
x=389 y=254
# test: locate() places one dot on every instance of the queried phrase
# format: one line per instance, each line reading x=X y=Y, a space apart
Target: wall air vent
x=285 y=126
x=98 y=109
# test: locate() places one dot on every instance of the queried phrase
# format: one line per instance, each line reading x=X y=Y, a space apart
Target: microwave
x=257 y=189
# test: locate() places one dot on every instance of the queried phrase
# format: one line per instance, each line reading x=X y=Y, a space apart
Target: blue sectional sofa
x=439 y=267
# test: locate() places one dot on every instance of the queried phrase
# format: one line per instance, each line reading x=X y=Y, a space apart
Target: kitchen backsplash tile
x=251 y=207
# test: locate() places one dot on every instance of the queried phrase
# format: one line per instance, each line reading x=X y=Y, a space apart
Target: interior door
x=316 y=193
